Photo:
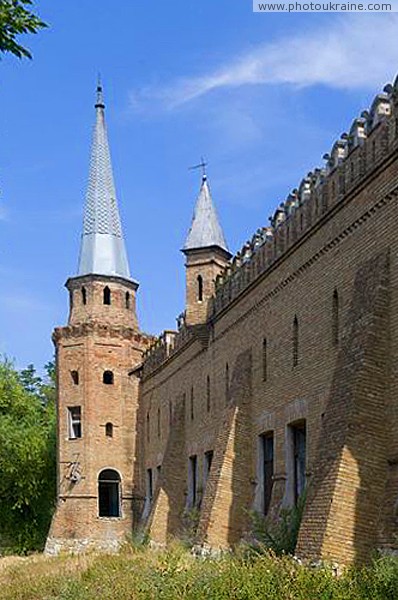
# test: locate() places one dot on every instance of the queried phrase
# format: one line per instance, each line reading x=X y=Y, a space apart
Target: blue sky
x=261 y=96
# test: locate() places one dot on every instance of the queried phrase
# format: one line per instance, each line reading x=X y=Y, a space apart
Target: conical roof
x=102 y=250
x=205 y=229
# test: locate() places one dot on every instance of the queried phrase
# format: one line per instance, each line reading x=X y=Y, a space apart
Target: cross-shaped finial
x=202 y=165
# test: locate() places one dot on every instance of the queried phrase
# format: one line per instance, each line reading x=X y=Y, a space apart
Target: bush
x=279 y=535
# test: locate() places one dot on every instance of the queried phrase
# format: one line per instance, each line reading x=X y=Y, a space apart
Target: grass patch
x=174 y=574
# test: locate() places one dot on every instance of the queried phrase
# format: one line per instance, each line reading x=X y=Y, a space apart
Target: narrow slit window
x=84 y=295
x=200 y=288
x=127 y=300
x=266 y=470
x=335 y=318
x=75 y=377
x=158 y=422
x=148 y=427
x=193 y=481
x=265 y=360
x=192 y=407
x=107 y=295
x=208 y=394
x=74 y=422
x=107 y=377
x=298 y=433
x=226 y=383
x=295 y=342
x=109 y=430
x=149 y=484
x=207 y=465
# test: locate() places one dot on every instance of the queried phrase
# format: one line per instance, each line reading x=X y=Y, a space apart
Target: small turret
x=206 y=253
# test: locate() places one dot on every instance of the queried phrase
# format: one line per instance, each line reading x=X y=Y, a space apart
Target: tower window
x=265 y=360
x=149 y=485
x=74 y=422
x=107 y=295
x=192 y=411
x=295 y=342
x=127 y=299
x=200 y=288
x=208 y=394
x=84 y=295
x=109 y=430
x=335 y=318
x=148 y=427
x=75 y=377
x=158 y=422
x=109 y=493
x=107 y=377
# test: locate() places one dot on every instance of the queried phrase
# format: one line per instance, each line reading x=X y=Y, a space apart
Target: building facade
x=280 y=379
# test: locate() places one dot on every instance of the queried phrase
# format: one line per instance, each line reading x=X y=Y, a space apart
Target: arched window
x=265 y=360
x=335 y=319
x=84 y=295
x=208 y=397
x=109 y=430
x=75 y=377
x=127 y=299
x=109 y=493
x=200 y=288
x=107 y=295
x=295 y=341
x=107 y=377
x=226 y=383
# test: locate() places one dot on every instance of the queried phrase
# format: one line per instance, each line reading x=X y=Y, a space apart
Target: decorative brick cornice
x=102 y=330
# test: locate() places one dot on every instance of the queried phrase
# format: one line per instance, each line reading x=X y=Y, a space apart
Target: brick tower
x=206 y=253
x=97 y=400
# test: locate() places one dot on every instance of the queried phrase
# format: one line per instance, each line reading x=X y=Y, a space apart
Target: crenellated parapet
x=371 y=138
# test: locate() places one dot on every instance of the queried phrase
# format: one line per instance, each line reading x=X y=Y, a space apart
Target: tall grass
x=174 y=574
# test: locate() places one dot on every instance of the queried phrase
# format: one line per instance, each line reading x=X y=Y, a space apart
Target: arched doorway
x=109 y=493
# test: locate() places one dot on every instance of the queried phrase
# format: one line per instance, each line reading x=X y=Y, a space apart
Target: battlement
x=372 y=137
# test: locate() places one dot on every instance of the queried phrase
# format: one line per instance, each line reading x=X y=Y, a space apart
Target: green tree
x=27 y=458
x=16 y=18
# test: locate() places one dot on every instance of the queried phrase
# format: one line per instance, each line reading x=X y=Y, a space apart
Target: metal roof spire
x=205 y=228
x=102 y=250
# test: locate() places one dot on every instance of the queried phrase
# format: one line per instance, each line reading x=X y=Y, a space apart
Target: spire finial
x=202 y=165
x=100 y=96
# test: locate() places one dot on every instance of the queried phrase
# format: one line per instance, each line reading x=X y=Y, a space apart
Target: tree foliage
x=16 y=18
x=27 y=456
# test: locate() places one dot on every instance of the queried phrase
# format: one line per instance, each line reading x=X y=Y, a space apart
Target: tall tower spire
x=102 y=250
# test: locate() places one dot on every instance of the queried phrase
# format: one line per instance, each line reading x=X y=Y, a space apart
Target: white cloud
x=355 y=52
